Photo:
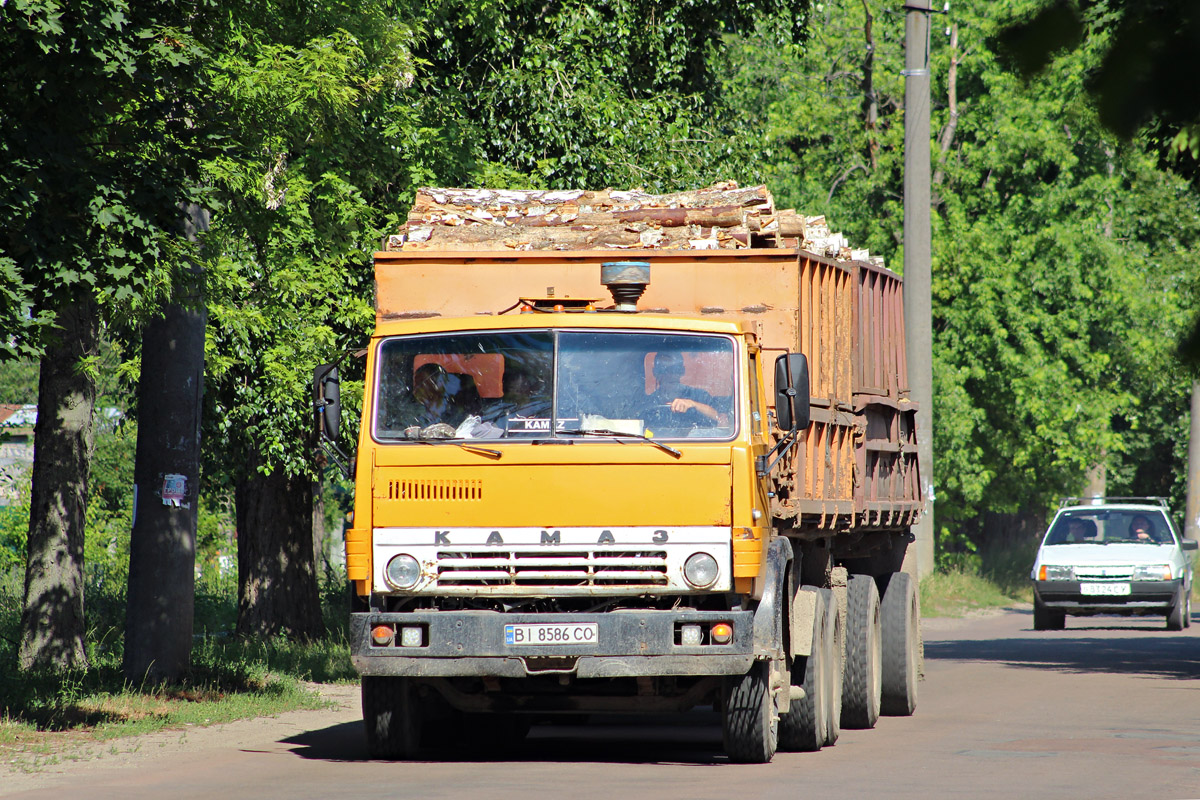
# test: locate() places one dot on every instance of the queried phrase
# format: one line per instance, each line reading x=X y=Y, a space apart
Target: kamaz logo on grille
x=550 y=538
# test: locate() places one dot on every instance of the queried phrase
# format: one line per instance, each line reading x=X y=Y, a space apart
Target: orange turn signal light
x=721 y=633
x=1042 y=573
x=383 y=635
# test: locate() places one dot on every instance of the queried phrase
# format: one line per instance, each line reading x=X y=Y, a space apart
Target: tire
x=391 y=717
x=1187 y=609
x=1179 y=611
x=805 y=726
x=835 y=664
x=1047 y=619
x=862 y=681
x=750 y=728
x=899 y=619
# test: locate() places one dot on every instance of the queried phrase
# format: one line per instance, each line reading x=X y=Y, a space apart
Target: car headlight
x=700 y=570
x=1152 y=572
x=403 y=572
x=1056 y=573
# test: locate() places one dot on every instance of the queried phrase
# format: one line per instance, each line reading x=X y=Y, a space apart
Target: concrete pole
x=918 y=324
x=1191 y=521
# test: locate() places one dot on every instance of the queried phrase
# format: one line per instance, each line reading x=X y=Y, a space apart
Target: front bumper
x=1145 y=597
x=629 y=643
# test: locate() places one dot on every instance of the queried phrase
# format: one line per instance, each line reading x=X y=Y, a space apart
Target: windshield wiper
x=606 y=432
x=473 y=448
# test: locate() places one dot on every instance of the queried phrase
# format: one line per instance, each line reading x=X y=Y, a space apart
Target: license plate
x=541 y=635
x=1110 y=589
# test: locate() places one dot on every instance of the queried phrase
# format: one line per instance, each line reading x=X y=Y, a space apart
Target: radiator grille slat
x=536 y=568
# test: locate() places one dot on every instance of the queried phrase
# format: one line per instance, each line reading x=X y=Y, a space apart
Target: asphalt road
x=1107 y=708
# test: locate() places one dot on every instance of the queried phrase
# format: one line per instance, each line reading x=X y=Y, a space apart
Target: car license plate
x=580 y=633
x=1109 y=589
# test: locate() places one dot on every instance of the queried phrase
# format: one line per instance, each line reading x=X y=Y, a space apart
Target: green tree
x=323 y=138
x=98 y=155
x=609 y=93
x=1060 y=252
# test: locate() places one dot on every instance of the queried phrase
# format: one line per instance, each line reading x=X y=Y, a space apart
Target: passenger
x=435 y=390
x=675 y=404
x=1076 y=531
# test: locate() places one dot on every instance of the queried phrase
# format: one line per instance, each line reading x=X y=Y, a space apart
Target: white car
x=1119 y=555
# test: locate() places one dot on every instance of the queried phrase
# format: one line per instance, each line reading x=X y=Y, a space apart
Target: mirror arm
x=338 y=456
x=781 y=448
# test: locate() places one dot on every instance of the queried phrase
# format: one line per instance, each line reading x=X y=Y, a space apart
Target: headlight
x=1152 y=572
x=1056 y=573
x=700 y=570
x=402 y=572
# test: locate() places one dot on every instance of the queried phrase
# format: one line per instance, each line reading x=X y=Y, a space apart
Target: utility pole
x=918 y=323
x=166 y=476
x=1191 y=522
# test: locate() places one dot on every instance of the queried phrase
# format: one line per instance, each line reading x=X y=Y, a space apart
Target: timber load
x=721 y=216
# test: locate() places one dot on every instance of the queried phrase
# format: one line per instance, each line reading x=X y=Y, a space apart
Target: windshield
x=555 y=384
x=1106 y=526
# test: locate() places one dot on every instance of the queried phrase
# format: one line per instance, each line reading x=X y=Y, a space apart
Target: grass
x=962 y=585
x=956 y=592
x=45 y=717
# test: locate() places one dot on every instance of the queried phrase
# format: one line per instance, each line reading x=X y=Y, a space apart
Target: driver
x=1141 y=529
x=676 y=404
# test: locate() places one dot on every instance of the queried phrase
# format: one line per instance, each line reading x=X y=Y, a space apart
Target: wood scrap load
x=722 y=216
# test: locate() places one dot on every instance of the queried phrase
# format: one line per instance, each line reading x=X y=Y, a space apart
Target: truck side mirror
x=327 y=389
x=791 y=391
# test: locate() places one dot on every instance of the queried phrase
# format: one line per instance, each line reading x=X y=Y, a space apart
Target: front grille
x=537 y=568
x=436 y=489
x=1101 y=574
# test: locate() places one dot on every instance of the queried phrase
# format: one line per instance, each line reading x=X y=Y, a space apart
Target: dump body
x=857 y=467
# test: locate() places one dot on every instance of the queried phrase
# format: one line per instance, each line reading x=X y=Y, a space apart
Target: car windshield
x=1107 y=526
x=555 y=384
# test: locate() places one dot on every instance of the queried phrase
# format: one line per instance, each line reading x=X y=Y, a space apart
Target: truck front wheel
x=805 y=726
x=750 y=726
x=391 y=717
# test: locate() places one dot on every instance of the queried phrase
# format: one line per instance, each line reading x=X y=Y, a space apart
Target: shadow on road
x=1165 y=655
x=687 y=739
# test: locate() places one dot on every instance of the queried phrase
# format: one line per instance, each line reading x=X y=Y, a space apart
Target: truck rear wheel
x=750 y=727
x=391 y=717
x=862 y=682
x=899 y=619
x=805 y=726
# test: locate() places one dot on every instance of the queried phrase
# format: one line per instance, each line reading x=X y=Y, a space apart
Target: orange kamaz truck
x=627 y=453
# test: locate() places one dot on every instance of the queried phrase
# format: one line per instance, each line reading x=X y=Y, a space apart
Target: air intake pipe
x=626 y=280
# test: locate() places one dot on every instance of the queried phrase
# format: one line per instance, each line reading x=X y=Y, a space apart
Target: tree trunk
x=52 y=624
x=318 y=527
x=277 y=577
x=1191 y=521
x=870 y=101
x=162 y=547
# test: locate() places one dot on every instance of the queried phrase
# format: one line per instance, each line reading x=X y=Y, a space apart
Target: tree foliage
x=1060 y=273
